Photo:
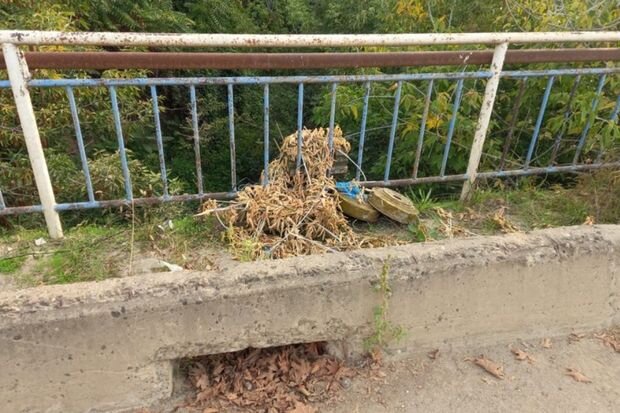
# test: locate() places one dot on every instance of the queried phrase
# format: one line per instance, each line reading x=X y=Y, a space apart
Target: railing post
x=485 y=117
x=18 y=76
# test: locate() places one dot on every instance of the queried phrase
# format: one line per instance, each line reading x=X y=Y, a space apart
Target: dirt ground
x=452 y=382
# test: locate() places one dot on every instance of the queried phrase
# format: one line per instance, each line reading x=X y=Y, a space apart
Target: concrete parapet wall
x=111 y=346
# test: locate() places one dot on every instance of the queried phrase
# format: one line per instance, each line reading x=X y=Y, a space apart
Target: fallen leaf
x=490 y=366
x=522 y=355
x=499 y=218
x=546 y=343
x=577 y=375
x=433 y=354
x=304 y=391
x=589 y=220
x=202 y=382
x=271 y=380
x=609 y=340
x=575 y=337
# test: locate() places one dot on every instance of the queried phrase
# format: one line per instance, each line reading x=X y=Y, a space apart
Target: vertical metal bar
x=586 y=129
x=300 y=120
x=160 y=142
x=539 y=120
x=197 y=160
x=121 y=143
x=80 y=142
x=2 y=203
x=418 y=152
x=332 y=118
x=360 y=150
x=266 y=134
x=614 y=114
x=514 y=115
x=613 y=119
x=567 y=112
x=388 y=163
x=231 y=129
x=484 y=118
x=455 y=111
x=17 y=69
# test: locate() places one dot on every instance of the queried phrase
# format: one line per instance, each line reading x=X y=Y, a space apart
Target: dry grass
x=298 y=213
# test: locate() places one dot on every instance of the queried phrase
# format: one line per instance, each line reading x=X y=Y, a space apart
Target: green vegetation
x=92 y=252
x=384 y=331
x=529 y=204
x=284 y=16
x=11 y=265
x=101 y=243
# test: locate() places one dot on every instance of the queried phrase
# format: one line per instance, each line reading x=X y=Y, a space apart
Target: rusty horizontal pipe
x=165 y=60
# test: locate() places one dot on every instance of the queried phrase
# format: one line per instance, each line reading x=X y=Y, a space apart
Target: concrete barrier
x=111 y=346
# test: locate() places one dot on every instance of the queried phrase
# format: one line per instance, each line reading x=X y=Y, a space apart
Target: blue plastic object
x=348 y=188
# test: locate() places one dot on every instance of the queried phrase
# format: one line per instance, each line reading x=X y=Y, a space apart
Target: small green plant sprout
x=384 y=331
x=420 y=232
x=423 y=200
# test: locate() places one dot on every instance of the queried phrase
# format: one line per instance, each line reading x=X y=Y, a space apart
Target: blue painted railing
x=367 y=81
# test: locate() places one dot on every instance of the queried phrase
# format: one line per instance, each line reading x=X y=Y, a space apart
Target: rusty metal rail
x=274 y=61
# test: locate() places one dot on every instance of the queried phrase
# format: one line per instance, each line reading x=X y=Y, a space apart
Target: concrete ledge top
x=243 y=278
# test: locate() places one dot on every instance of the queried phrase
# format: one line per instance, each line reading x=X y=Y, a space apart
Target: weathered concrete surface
x=108 y=346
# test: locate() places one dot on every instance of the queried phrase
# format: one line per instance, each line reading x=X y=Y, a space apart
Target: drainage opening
x=292 y=378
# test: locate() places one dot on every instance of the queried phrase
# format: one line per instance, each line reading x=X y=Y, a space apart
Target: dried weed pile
x=298 y=213
x=281 y=379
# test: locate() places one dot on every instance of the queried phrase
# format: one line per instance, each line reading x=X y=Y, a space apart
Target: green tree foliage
x=129 y=15
x=289 y=16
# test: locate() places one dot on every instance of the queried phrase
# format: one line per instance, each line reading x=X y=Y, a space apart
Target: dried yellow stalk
x=298 y=213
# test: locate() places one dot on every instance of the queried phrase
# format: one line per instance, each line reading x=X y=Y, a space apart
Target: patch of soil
x=560 y=375
x=549 y=374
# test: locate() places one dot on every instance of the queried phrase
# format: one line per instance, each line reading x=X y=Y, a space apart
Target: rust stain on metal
x=165 y=60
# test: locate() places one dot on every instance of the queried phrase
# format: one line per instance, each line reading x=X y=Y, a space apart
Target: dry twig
x=298 y=213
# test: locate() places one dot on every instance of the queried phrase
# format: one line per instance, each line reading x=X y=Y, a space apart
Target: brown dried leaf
x=522 y=355
x=490 y=366
x=433 y=354
x=499 y=218
x=589 y=220
x=577 y=375
x=304 y=391
x=268 y=380
x=546 y=343
x=609 y=340
x=210 y=410
x=575 y=337
x=202 y=382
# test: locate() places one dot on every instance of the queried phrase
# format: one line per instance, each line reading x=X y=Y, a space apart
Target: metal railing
x=20 y=84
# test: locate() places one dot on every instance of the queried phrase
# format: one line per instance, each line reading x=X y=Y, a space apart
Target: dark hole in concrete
x=263 y=379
